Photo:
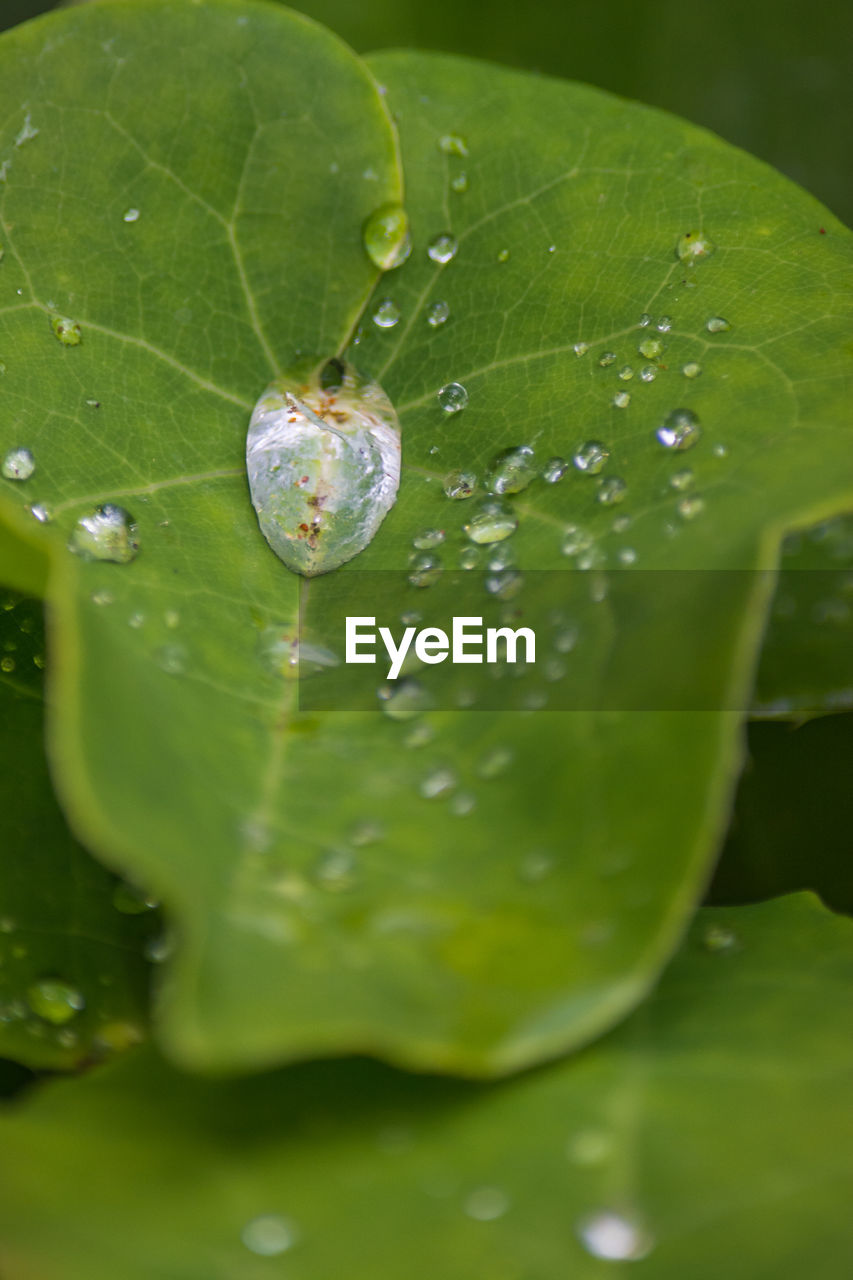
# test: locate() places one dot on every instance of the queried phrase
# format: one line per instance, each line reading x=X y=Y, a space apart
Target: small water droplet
x=535 y=866
x=491 y=524
x=614 y=1237
x=486 y=1204
x=428 y=538
x=452 y=144
x=335 y=870
x=462 y=804
x=651 y=348
x=18 y=464
x=443 y=248
x=691 y=369
x=664 y=324
x=131 y=215
x=269 y=1235
x=626 y=373
x=26 y=132
x=503 y=255
x=158 y=949
x=438 y=783
x=41 y=512
x=131 y=900
x=690 y=508
x=172 y=619
x=575 y=540
x=648 y=373
x=171 y=658
x=424 y=570
x=66 y=330
x=459 y=181
x=7 y=664
x=386 y=236
x=720 y=938
x=54 y=1000
x=452 y=397
x=494 y=762
x=580 y=348
x=681 y=430
x=693 y=245
x=554 y=470
x=717 y=324
x=720 y=451
x=136 y=620
x=459 y=484
x=682 y=479
x=591 y=457
x=589 y=1147
x=607 y=359
x=611 y=491
x=511 y=471
x=405 y=699
x=644 y=320
x=626 y=556
x=92 y=403
x=438 y=314
x=621 y=400
x=107 y=533
x=505 y=584
x=386 y=314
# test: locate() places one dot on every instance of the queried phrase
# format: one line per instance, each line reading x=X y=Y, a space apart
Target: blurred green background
x=773 y=77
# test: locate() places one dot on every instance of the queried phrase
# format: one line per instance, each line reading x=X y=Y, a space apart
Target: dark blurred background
x=774 y=77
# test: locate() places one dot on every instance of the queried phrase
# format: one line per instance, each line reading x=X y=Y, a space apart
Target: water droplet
x=664 y=324
x=386 y=236
x=680 y=430
x=269 y=1235
x=437 y=783
x=323 y=460
x=67 y=331
x=554 y=470
x=614 y=1236
x=591 y=457
x=691 y=369
x=172 y=619
x=486 y=1204
x=171 y=658
x=54 y=1000
x=107 y=533
x=157 y=950
x=438 y=314
x=648 y=373
x=611 y=491
x=459 y=484
x=626 y=373
x=452 y=397
x=283 y=653
x=131 y=900
x=575 y=539
x=424 y=570
x=503 y=255
x=505 y=584
x=565 y=639
x=626 y=556
x=136 y=620
x=335 y=869
x=459 y=181
x=720 y=451
x=690 y=508
x=580 y=348
x=428 y=538
x=491 y=524
x=102 y=597
x=494 y=762
x=651 y=348
x=589 y=1147
x=720 y=938
x=452 y=144
x=607 y=359
x=692 y=246
x=535 y=866
x=405 y=699
x=131 y=215
x=386 y=314
x=621 y=400
x=19 y=464
x=41 y=512
x=93 y=404
x=682 y=479
x=716 y=324
x=7 y=664
x=443 y=248
x=511 y=471
x=26 y=132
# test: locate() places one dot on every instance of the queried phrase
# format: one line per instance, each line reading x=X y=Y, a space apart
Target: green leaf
x=792 y=817
x=324 y=903
x=715 y=1124
x=59 y=922
x=806 y=664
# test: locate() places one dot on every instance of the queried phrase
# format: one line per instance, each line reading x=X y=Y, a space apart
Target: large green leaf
x=73 y=977
x=325 y=901
x=713 y=1130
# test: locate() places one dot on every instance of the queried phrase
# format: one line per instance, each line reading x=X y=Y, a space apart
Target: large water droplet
x=386 y=236
x=19 y=464
x=591 y=457
x=453 y=397
x=443 y=248
x=693 y=245
x=269 y=1235
x=511 y=471
x=491 y=524
x=681 y=430
x=54 y=1000
x=386 y=314
x=67 y=331
x=613 y=1236
x=107 y=533
x=323 y=460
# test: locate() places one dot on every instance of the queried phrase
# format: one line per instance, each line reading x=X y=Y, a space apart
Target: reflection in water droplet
x=614 y=1236
x=269 y=1235
x=664 y=324
x=67 y=331
x=681 y=430
x=511 y=471
x=692 y=246
x=554 y=470
x=443 y=248
x=452 y=397
x=18 y=464
x=386 y=314
x=459 y=484
x=491 y=524
x=107 y=533
x=611 y=491
x=644 y=320
x=386 y=236
x=486 y=1204
x=691 y=369
x=591 y=457
x=720 y=451
x=469 y=557
x=438 y=314
x=41 y=512
x=54 y=1000
x=716 y=324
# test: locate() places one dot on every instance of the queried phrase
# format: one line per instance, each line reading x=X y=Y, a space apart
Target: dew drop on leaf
x=692 y=246
x=614 y=1237
x=428 y=538
x=18 y=464
x=716 y=324
x=511 y=471
x=680 y=430
x=452 y=144
x=459 y=484
x=607 y=359
x=106 y=533
x=67 y=331
x=491 y=524
x=611 y=491
x=486 y=1204
x=453 y=397
x=386 y=314
x=651 y=348
x=692 y=369
x=424 y=570
x=131 y=215
x=438 y=314
x=591 y=457
x=554 y=470
x=55 y=1000
x=621 y=400
x=323 y=461
x=386 y=236
x=443 y=248
x=269 y=1235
